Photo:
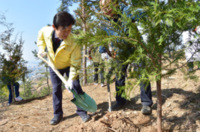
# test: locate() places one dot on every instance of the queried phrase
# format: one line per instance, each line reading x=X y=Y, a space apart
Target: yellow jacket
x=68 y=53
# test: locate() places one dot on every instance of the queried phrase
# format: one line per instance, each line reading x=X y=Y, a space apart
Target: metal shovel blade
x=84 y=101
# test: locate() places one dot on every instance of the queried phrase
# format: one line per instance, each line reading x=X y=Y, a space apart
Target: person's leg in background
x=101 y=68
x=120 y=82
x=145 y=92
x=10 y=94
x=146 y=97
x=17 y=98
x=96 y=67
x=16 y=85
x=190 y=66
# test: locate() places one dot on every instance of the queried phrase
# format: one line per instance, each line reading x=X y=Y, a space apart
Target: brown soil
x=181 y=111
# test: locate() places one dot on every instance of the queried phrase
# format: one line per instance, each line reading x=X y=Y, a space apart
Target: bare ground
x=181 y=111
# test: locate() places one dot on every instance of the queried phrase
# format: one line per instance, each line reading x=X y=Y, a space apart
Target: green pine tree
x=162 y=23
x=11 y=62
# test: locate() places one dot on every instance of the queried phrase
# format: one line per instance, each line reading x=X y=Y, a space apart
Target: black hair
x=63 y=19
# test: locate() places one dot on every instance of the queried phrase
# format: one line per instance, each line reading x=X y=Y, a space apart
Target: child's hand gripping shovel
x=83 y=101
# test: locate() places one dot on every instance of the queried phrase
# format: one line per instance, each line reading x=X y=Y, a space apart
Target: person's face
x=61 y=32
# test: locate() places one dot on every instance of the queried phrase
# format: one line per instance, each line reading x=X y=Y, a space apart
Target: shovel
x=83 y=101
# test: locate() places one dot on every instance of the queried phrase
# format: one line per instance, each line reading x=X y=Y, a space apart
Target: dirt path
x=181 y=111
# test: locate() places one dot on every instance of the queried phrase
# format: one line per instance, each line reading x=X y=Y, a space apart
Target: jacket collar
x=67 y=41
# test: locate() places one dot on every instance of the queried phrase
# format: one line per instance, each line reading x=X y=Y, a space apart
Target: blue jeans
x=57 y=91
x=98 y=68
x=16 y=87
x=145 y=88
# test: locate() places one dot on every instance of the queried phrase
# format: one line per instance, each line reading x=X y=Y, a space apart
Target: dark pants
x=145 y=88
x=57 y=91
x=145 y=93
x=120 y=82
x=16 y=88
x=98 y=68
x=191 y=65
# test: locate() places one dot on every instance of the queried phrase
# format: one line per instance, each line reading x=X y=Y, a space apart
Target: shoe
x=56 y=119
x=102 y=85
x=118 y=106
x=85 y=117
x=18 y=98
x=146 y=110
x=95 y=83
x=8 y=104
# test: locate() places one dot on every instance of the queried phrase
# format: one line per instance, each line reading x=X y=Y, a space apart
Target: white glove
x=198 y=29
x=42 y=53
x=69 y=84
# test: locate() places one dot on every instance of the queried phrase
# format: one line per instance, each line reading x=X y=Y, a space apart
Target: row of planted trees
x=162 y=24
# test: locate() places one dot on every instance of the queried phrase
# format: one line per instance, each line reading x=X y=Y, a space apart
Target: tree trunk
x=84 y=47
x=159 y=98
x=159 y=106
x=158 y=86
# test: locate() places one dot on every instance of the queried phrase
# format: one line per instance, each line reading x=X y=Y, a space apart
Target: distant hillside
x=35 y=68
